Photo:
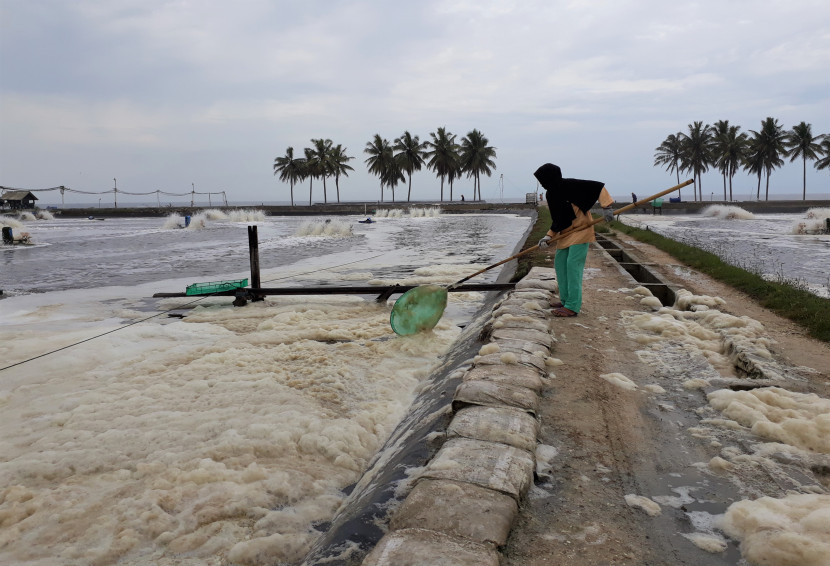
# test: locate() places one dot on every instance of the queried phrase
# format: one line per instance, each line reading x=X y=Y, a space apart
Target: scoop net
x=418 y=309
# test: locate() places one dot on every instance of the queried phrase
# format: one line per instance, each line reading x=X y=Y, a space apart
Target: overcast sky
x=165 y=94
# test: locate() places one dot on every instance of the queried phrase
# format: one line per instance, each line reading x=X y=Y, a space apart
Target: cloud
x=97 y=81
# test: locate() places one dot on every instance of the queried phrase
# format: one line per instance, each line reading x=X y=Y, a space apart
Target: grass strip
x=800 y=306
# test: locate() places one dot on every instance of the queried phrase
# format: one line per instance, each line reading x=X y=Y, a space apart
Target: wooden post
x=253 y=246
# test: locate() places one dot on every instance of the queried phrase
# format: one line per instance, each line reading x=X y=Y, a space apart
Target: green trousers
x=569 y=264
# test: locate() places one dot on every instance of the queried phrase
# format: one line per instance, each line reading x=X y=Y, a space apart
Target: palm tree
x=824 y=150
x=720 y=129
x=410 y=156
x=476 y=158
x=290 y=169
x=754 y=159
x=340 y=165
x=443 y=157
x=728 y=149
x=380 y=160
x=800 y=142
x=771 y=140
x=322 y=161
x=696 y=152
x=310 y=170
x=669 y=153
x=392 y=175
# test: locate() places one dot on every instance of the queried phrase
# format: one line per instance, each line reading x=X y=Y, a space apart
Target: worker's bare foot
x=563 y=311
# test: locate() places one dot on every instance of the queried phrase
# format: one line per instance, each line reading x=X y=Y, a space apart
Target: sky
x=185 y=95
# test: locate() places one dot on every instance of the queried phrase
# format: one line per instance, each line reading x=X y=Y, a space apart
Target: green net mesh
x=418 y=309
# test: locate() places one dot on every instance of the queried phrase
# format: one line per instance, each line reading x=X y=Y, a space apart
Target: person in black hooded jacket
x=570 y=202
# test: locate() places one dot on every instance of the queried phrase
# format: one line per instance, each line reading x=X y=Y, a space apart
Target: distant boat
x=93 y=218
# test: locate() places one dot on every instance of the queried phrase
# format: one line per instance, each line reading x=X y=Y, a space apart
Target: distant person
x=462 y=198
x=633 y=197
x=570 y=202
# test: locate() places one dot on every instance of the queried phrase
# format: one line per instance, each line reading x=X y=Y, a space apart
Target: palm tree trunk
x=442 y=188
x=724 y=186
x=409 y=192
x=731 y=174
x=450 y=189
x=766 y=196
x=804 y=162
x=337 y=184
x=292 y=193
x=310 y=183
x=758 y=195
x=325 y=200
x=381 y=192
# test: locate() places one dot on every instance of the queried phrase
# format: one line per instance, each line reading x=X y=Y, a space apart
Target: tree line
x=725 y=147
x=393 y=163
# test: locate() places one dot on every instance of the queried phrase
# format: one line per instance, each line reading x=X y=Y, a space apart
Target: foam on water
x=727 y=212
x=223 y=436
x=11 y=222
x=246 y=215
x=815 y=222
x=332 y=229
x=229 y=432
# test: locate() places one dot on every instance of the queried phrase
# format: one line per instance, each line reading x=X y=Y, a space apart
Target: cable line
x=179 y=307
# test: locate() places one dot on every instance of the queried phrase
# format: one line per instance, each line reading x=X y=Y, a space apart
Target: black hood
x=562 y=193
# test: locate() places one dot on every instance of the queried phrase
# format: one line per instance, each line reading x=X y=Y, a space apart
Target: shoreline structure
x=455 y=207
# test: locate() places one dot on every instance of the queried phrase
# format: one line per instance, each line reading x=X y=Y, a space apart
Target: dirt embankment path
x=610 y=442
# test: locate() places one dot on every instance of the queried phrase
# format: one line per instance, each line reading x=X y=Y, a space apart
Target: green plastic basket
x=215 y=287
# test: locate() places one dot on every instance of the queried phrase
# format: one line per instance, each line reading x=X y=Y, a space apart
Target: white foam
x=801 y=420
x=651 y=302
x=727 y=212
x=245 y=215
x=491 y=348
x=11 y=222
x=788 y=531
x=651 y=508
x=707 y=541
x=226 y=433
x=331 y=229
x=619 y=380
x=815 y=222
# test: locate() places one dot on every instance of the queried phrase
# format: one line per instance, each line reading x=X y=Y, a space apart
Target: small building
x=17 y=200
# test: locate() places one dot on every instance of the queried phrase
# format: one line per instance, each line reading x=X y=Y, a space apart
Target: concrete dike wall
x=446 y=486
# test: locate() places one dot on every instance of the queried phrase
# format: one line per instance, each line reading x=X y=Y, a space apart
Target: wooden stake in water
x=253 y=247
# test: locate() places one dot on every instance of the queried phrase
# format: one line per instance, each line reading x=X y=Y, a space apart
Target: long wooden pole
x=571 y=230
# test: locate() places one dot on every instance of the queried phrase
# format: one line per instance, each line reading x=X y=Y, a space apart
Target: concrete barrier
x=463 y=502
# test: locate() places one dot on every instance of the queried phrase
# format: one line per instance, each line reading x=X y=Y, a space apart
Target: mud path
x=612 y=442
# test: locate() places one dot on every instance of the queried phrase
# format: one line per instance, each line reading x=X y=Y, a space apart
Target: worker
x=570 y=202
